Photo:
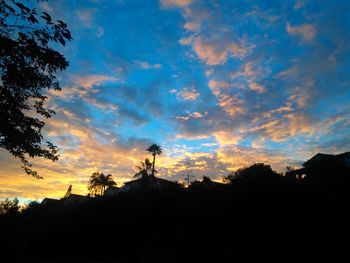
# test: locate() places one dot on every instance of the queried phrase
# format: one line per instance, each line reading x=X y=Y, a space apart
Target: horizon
x=219 y=86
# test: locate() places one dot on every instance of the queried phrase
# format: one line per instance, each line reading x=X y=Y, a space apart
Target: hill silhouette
x=259 y=215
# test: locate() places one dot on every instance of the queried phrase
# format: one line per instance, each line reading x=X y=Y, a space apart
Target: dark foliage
x=9 y=207
x=144 y=170
x=28 y=65
x=257 y=218
x=155 y=150
x=98 y=183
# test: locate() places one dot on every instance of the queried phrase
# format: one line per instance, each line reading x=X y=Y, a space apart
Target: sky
x=218 y=84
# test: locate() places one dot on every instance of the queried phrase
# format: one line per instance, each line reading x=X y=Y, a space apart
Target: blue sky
x=223 y=84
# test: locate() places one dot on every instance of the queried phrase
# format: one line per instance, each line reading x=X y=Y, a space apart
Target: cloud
x=86 y=16
x=214 y=84
x=288 y=125
x=300 y=96
x=82 y=89
x=91 y=80
x=306 y=31
x=86 y=150
x=190 y=115
x=100 y=31
x=46 y=7
x=257 y=87
x=265 y=15
x=285 y=108
x=175 y=3
x=190 y=94
x=247 y=73
x=147 y=65
x=236 y=157
x=133 y=115
x=256 y=95
x=198 y=164
x=298 y=4
x=250 y=75
x=225 y=138
x=192 y=26
x=185 y=41
x=217 y=52
x=231 y=103
x=211 y=40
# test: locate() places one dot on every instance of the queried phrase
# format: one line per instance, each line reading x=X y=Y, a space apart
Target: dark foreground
x=277 y=220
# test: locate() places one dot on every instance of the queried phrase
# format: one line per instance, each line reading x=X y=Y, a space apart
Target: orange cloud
x=229 y=102
x=306 y=31
x=192 y=26
x=91 y=80
x=257 y=87
x=187 y=94
x=237 y=157
x=214 y=84
x=175 y=3
x=225 y=138
x=269 y=114
x=216 y=53
x=289 y=125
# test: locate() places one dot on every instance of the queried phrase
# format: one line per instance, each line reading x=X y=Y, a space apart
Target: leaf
x=47 y=17
x=62 y=24
x=67 y=34
x=62 y=41
x=20 y=5
x=10 y=8
x=33 y=19
x=23 y=7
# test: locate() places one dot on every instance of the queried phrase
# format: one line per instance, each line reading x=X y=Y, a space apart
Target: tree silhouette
x=99 y=182
x=28 y=65
x=229 y=178
x=251 y=173
x=289 y=169
x=155 y=150
x=144 y=169
x=94 y=184
x=106 y=181
x=9 y=206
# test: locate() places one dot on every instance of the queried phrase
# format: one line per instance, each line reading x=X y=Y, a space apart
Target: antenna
x=188 y=174
x=69 y=192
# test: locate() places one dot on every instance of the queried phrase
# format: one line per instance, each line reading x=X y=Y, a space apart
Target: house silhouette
x=68 y=199
x=205 y=184
x=149 y=183
x=323 y=166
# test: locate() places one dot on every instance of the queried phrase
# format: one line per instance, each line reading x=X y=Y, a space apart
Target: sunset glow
x=218 y=84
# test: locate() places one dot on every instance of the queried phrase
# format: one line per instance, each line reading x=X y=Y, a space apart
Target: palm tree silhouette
x=106 y=181
x=154 y=149
x=94 y=184
x=144 y=169
x=99 y=182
